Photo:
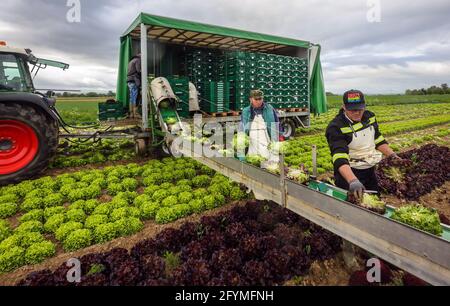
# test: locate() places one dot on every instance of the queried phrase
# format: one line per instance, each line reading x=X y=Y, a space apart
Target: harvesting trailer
x=30 y=123
x=29 y=134
x=198 y=56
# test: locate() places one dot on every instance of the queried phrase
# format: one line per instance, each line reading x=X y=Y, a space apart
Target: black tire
x=163 y=151
x=141 y=147
x=46 y=130
x=289 y=128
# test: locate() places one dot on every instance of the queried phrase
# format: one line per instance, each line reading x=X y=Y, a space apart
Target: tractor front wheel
x=28 y=141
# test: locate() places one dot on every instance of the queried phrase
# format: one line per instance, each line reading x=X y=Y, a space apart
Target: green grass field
x=84 y=110
x=336 y=101
x=79 y=110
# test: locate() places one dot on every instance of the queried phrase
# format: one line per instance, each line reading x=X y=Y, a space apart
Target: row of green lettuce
x=299 y=150
x=80 y=209
x=77 y=153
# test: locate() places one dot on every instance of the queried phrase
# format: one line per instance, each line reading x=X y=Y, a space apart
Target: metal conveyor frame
x=417 y=252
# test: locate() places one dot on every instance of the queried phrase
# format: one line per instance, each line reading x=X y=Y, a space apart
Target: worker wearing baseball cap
x=356 y=145
x=260 y=122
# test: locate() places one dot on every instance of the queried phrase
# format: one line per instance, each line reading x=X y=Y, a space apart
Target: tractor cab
x=14 y=72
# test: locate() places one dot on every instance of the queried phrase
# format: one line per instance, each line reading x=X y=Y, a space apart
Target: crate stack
x=283 y=79
x=201 y=66
x=238 y=69
x=180 y=87
x=216 y=97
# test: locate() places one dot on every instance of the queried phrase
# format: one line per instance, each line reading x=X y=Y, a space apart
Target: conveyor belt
x=342 y=194
x=420 y=253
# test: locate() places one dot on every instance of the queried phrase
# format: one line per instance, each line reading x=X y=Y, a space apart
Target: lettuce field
x=167 y=221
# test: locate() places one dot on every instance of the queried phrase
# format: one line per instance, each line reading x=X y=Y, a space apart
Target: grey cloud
x=340 y=27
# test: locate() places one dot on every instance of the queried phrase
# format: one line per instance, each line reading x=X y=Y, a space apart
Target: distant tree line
x=433 y=90
x=86 y=95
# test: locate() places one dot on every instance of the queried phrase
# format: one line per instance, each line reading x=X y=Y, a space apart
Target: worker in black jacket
x=134 y=83
x=356 y=145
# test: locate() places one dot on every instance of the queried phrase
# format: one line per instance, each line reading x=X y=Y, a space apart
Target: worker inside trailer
x=134 y=84
x=356 y=146
x=260 y=122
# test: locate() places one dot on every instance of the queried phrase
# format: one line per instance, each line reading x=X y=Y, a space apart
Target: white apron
x=362 y=150
x=260 y=140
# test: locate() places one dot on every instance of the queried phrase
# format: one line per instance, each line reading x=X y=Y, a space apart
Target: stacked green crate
x=111 y=110
x=239 y=69
x=202 y=68
x=283 y=79
x=180 y=87
x=216 y=98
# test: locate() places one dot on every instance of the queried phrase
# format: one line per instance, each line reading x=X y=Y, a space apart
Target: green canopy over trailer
x=189 y=33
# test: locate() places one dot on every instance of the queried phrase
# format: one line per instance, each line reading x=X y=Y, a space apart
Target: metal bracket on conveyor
x=314 y=162
x=283 y=188
x=422 y=254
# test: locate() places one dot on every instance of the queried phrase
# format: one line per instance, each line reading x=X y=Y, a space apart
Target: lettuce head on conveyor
x=420 y=217
x=369 y=201
x=171 y=120
x=255 y=160
x=241 y=141
x=299 y=175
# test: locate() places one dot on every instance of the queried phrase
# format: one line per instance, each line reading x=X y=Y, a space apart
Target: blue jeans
x=134 y=93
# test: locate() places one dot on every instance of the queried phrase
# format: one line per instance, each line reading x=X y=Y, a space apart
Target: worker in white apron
x=260 y=122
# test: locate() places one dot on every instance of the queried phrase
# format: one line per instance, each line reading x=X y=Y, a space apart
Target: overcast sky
x=408 y=48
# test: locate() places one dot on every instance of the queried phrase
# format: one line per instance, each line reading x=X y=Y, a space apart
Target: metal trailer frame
x=300 y=118
x=417 y=252
x=174 y=31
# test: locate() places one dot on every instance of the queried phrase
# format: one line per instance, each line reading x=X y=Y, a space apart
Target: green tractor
x=29 y=123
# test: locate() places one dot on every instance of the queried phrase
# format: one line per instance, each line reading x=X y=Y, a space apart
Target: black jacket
x=349 y=140
x=134 y=71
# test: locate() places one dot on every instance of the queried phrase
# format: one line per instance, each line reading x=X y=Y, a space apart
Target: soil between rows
x=329 y=272
x=151 y=229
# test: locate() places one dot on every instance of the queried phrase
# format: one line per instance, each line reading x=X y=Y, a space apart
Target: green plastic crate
x=242 y=85
x=235 y=55
x=111 y=111
x=252 y=78
x=263 y=64
x=262 y=57
x=217 y=96
x=180 y=87
x=280 y=59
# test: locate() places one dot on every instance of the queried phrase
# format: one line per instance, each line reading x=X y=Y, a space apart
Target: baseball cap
x=256 y=93
x=354 y=100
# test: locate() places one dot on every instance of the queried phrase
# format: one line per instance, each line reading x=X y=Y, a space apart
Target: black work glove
x=357 y=189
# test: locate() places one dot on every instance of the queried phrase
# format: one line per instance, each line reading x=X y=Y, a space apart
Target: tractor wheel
x=288 y=126
x=28 y=141
x=163 y=151
x=166 y=150
x=141 y=147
